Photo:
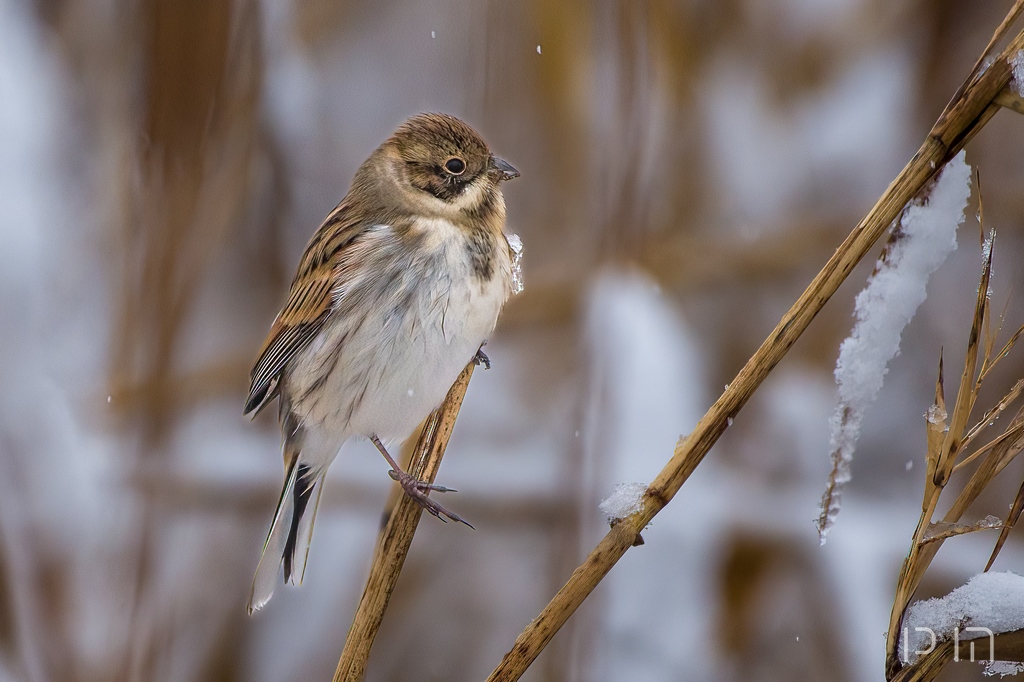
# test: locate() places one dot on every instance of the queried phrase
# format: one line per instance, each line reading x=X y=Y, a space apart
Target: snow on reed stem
x=1017 y=64
x=992 y=602
x=921 y=240
x=627 y=499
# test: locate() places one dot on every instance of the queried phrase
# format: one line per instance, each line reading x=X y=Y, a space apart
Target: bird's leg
x=481 y=358
x=417 y=489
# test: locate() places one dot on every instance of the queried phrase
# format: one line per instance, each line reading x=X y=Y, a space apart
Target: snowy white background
x=687 y=166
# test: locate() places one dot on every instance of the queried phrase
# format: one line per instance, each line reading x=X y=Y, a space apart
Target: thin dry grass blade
x=913 y=567
x=991 y=415
x=999 y=34
x=997 y=459
x=980 y=65
x=1011 y=521
x=1004 y=352
x=1012 y=432
x=936 y=430
x=967 y=395
x=833 y=489
x=991 y=360
x=943 y=531
x=990 y=337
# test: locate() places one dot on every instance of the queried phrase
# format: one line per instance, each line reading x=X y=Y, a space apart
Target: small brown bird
x=396 y=292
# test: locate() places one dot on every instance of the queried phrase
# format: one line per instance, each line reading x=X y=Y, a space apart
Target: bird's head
x=439 y=157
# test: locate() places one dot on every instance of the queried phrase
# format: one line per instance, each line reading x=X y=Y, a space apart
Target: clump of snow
x=992 y=601
x=1017 y=67
x=516 y=244
x=925 y=236
x=1003 y=668
x=625 y=501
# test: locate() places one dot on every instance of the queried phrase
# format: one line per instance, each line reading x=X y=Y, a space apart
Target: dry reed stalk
x=969 y=110
x=1011 y=521
x=396 y=537
x=195 y=145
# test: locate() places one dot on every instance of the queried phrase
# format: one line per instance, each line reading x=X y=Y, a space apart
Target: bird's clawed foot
x=418 y=491
x=481 y=358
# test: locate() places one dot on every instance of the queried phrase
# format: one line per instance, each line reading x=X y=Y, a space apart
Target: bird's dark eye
x=455 y=166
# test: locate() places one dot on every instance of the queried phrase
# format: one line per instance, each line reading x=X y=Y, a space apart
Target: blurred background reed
x=687 y=167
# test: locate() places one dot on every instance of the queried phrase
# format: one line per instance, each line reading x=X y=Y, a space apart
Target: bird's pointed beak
x=505 y=169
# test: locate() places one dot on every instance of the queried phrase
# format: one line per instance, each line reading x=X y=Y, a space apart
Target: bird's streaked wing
x=308 y=306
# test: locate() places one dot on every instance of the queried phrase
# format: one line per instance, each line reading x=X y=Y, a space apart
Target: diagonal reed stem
x=396 y=537
x=970 y=109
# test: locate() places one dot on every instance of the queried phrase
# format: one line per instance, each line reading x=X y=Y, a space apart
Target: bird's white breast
x=403 y=328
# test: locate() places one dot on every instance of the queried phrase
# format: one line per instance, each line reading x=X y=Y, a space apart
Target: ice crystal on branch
x=516 y=244
x=935 y=415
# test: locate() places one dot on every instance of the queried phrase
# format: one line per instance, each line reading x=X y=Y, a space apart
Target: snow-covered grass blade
x=920 y=242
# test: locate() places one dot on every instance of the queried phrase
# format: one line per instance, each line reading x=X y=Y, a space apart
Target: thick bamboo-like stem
x=394 y=541
x=967 y=113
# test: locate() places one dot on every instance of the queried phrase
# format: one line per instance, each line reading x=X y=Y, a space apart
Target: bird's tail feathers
x=265 y=580
x=306 y=496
